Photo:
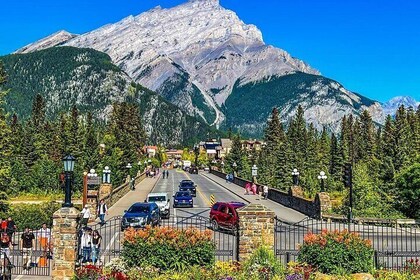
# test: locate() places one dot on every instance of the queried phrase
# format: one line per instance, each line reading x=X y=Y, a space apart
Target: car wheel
x=215 y=225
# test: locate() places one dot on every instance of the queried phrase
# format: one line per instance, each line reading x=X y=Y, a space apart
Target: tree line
x=385 y=161
x=31 y=150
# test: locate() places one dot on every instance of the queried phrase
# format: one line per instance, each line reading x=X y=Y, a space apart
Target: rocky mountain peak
x=52 y=40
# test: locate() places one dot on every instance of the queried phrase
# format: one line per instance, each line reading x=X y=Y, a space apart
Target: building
x=210 y=147
x=249 y=145
x=224 y=149
x=174 y=154
x=150 y=151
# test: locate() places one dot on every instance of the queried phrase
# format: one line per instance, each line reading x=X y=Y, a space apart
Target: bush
x=337 y=252
x=32 y=215
x=168 y=248
x=263 y=263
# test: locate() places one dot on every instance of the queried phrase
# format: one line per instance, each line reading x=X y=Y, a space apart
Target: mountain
x=391 y=106
x=87 y=78
x=53 y=40
x=199 y=55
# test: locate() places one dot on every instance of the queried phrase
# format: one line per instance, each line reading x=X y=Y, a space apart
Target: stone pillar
x=256 y=228
x=92 y=202
x=104 y=190
x=64 y=239
x=322 y=204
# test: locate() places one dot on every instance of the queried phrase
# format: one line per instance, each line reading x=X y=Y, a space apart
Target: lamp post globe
x=295 y=176
x=68 y=162
x=106 y=177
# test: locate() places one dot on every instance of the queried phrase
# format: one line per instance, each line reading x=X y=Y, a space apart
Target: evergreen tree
x=6 y=146
x=336 y=164
x=401 y=136
x=90 y=146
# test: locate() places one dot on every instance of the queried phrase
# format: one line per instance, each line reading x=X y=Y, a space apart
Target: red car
x=223 y=215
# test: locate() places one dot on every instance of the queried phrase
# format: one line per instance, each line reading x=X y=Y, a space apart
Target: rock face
x=196 y=54
x=51 y=41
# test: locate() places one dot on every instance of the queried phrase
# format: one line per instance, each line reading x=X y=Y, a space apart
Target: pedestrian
x=96 y=246
x=5 y=245
x=11 y=227
x=265 y=191
x=86 y=244
x=227 y=178
x=44 y=239
x=3 y=225
x=132 y=184
x=85 y=215
x=254 y=189
x=102 y=210
x=27 y=245
x=247 y=187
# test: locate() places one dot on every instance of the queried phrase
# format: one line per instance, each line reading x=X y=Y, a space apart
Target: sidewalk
x=138 y=195
x=282 y=212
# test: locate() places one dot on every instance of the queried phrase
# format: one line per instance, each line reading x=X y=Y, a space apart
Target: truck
x=186 y=164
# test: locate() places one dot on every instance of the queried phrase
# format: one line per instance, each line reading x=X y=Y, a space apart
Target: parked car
x=188 y=185
x=141 y=214
x=183 y=198
x=162 y=200
x=206 y=168
x=223 y=215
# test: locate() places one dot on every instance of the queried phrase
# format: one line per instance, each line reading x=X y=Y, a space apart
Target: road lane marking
x=206 y=200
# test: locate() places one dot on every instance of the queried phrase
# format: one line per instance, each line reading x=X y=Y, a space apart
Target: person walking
x=96 y=246
x=11 y=227
x=27 y=245
x=265 y=192
x=85 y=215
x=102 y=210
x=3 y=225
x=167 y=174
x=45 y=238
x=86 y=244
x=5 y=245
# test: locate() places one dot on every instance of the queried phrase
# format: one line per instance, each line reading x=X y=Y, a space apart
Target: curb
x=229 y=190
x=155 y=184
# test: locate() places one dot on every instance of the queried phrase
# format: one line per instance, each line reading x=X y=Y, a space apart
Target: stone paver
x=282 y=212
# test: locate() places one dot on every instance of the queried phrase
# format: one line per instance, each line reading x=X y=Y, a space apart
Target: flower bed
x=168 y=248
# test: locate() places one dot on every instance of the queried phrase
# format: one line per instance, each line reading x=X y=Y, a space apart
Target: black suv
x=188 y=185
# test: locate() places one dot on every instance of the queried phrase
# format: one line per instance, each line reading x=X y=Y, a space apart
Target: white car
x=206 y=168
x=162 y=200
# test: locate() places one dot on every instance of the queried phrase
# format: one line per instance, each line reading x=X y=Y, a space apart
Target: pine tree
x=401 y=136
x=6 y=146
x=367 y=137
x=90 y=145
x=336 y=164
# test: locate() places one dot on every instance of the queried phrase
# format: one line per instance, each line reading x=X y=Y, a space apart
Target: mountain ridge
x=194 y=55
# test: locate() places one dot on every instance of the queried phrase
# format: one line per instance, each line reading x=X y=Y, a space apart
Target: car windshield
x=187 y=184
x=179 y=194
x=156 y=198
x=138 y=209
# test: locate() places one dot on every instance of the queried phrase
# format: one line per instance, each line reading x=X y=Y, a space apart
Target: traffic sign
x=212 y=199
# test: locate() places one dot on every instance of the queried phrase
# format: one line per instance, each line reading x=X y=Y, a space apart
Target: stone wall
x=256 y=228
x=64 y=238
x=292 y=199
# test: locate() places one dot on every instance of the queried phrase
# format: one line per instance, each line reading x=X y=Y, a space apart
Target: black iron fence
x=394 y=245
x=35 y=260
x=113 y=238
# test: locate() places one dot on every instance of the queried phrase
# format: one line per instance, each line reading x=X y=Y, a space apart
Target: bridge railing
x=312 y=208
x=117 y=193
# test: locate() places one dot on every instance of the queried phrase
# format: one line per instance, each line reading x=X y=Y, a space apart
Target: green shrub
x=168 y=248
x=337 y=252
x=32 y=215
x=263 y=263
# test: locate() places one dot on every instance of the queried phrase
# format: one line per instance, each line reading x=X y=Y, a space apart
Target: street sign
x=93 y=180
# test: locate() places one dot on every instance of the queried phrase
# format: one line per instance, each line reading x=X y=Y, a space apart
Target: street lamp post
x=196 y=153
x=68 y=162
x=234 y=165
x=106 y=175
x=322 y=177
x=295 y=175
x=254 y=171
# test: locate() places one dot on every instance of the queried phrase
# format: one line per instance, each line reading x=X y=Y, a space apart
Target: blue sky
x=370 y=46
